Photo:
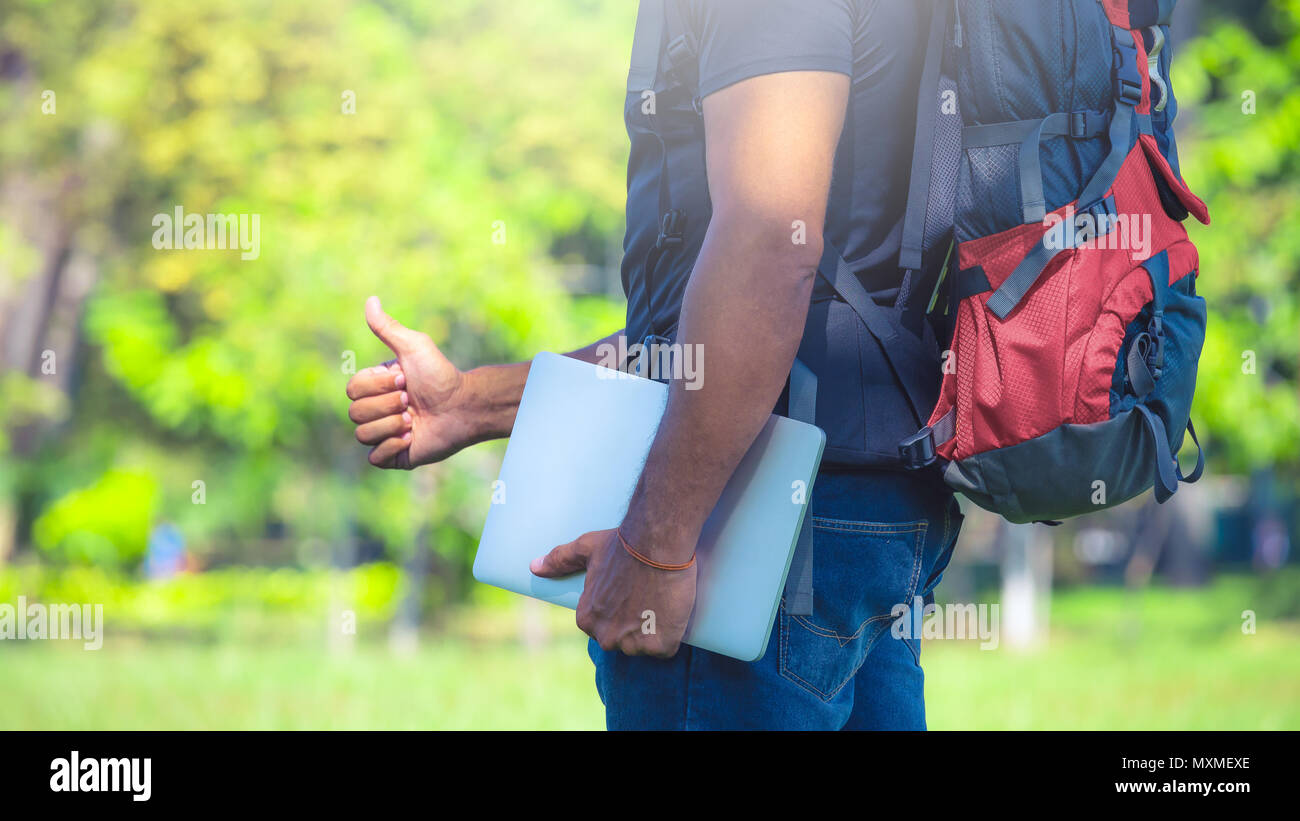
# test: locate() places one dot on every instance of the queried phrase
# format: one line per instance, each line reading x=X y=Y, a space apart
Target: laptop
x=579 y=442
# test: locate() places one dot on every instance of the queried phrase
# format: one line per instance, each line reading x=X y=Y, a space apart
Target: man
x=777 y=118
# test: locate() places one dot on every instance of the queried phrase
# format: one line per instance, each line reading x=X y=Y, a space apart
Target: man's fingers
x=564 y=560
x=391 y=332
x=375 y=381
x=585 y=618
x=370 y=408
x=389 y=453
x=663 y=649
x=372 y=433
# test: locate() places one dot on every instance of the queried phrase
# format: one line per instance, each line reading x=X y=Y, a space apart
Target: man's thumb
x=391 y=332
x=564 y=560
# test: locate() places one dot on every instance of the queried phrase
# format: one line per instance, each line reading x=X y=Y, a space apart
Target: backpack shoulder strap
x=927 y=213
x=646 y=45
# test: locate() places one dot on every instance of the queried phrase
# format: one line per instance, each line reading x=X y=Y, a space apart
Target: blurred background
x=174 y=442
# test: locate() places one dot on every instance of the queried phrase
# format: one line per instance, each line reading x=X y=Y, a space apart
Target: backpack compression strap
x=1128 y=95
x=798 y=582
x=922 y=209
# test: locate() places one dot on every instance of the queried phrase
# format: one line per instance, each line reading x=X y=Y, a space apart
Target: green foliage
x=229 y=603
x=472 y=117
x=106 y=524
x=201 y=365
x=1241 y=151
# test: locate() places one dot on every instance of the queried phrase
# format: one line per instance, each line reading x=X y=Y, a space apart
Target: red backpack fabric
x=1074 y=322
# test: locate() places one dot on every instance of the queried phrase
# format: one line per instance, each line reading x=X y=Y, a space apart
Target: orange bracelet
x=651 y=562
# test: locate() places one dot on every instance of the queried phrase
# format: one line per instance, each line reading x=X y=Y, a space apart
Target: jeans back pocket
x=861 y=571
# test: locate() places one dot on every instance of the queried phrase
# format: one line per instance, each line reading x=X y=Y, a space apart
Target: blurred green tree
x=433 y=153
x=449 y=156
x=1240 y=84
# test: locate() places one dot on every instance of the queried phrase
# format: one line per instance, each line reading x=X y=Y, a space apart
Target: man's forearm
x=744 y=309
x=494 y=391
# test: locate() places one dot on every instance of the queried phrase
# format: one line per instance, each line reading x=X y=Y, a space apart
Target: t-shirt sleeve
x=739 y=39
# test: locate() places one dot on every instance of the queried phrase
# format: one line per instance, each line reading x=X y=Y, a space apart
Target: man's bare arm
x=422 y=408
x=497 y=389
x=771 y=145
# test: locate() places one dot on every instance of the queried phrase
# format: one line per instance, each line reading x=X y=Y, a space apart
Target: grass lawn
x=1162 y=659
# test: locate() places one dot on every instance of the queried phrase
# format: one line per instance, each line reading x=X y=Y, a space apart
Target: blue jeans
x=880 y=539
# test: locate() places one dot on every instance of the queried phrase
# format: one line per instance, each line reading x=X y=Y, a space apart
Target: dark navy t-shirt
x=879 y=44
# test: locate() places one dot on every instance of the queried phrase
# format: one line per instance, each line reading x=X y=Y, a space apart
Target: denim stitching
x=831 y=634
x=868 y=527
x=916 y=654
x=793 y=676
x=919 y=528
x=916 y=561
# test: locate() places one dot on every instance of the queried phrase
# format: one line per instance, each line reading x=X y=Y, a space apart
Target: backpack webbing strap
x=1168 y=472
x=1200 y=457
x=946 y=428
x=681 y=54
x=1166 y=477
x=799 y=581
x=911 y=256
x=1128 y=93
x=921 y=448
x=1078 y=125
x=913 y=367
x=1140 y=376
x=1005 y=299
x=970 y=282
x=645 y=46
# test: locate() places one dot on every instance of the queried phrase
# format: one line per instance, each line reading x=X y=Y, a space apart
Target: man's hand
x=626 y=605
x=428 y=421
x=420 y=408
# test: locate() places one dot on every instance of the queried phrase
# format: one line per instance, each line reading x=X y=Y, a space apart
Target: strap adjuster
x=1086 y=124
x=1128 y=80
x=917 y=451
x=672 y=227
x=654 y=360
x=1156 y=356
x=1078 y=125
x=680 y=51
x=1127 y=92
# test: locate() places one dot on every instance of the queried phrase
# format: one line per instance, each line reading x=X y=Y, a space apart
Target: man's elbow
x=786 y=247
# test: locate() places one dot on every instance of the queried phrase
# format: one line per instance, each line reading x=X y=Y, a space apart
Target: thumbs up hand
x=412 y=411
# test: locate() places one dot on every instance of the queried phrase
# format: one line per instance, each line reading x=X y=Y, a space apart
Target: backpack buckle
x=1156 y=353
x=671 y=228
x=1128 y=92
x=1128 y=80
x=1078 y=125
x=680 y=52
x=654 y=360
x=1086 y=124
x=917 y=451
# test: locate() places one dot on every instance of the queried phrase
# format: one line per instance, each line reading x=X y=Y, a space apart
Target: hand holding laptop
x=580 y=440
x=626 y=605
x=577 y=478
x=421 y=409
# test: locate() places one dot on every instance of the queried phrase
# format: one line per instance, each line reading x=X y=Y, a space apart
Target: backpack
x=1044 y=153
x=1070 y=305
